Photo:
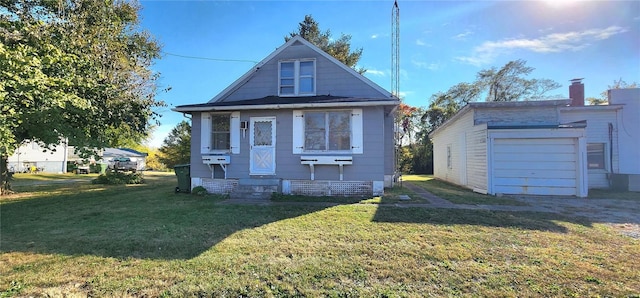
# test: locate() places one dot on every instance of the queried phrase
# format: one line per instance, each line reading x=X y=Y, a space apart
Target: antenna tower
x=395 y=50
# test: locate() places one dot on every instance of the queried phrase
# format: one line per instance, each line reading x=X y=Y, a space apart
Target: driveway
x=623 y=215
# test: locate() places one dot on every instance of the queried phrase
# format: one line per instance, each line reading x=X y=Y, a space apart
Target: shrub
x=199 y=191
x=114 y=177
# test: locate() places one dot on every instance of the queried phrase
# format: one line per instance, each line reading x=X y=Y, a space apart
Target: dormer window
x=297 y=77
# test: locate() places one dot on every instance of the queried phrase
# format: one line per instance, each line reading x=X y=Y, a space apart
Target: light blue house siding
x=372 y=165
x=367 y=165
x=331 y=79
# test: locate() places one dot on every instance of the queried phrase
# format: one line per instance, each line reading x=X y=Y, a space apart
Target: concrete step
x=258 y=189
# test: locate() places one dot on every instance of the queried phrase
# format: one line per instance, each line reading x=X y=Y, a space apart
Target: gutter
x=286 y=106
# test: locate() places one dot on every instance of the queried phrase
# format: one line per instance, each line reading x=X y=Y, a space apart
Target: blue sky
x=442 y=43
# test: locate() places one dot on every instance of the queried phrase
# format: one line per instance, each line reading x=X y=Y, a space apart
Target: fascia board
x=286 y=106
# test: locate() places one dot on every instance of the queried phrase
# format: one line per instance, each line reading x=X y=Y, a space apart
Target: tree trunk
x=5 y=187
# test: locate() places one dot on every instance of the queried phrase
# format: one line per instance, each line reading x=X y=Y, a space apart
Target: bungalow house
x=32 y=157
x=553 y=147
x=299 y=122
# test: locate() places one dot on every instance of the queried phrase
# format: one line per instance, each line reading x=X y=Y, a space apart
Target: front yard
x=145 y=240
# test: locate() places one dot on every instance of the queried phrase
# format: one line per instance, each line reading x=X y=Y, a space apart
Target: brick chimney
x=576 y=93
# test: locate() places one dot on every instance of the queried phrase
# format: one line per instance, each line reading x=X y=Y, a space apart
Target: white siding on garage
x=598 y=119
x=477 y=158
x=451 y=137
x=536 y=166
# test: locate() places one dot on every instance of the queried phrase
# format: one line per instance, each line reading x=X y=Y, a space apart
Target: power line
x=207 y=58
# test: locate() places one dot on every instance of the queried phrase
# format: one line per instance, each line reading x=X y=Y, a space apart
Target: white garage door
x=535 y=166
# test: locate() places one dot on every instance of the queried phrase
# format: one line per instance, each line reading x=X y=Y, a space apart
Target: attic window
x=297 y=77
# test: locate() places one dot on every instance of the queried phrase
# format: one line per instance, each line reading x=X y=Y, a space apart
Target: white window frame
x=356 y=136
x=206 y=133
x=296 y=78
x=605 y=153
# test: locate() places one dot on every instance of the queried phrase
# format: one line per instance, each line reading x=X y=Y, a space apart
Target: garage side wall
x=598 y=122
x=449 y=149
x=477 y=158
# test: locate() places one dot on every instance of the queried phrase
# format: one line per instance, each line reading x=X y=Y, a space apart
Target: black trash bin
x=183 y=172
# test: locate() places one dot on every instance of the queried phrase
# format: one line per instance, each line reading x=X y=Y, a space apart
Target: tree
x=176 y=147
x=339 y=48
x=604 y=96
x=76 y=71
x=508 y=83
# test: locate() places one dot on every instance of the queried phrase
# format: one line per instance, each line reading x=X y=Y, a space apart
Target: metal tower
x=395 y=50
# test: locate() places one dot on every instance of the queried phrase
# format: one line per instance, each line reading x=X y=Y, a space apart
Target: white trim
x=357 y=143
x=252 y=121
x=296 y=77
x=356 y=129
x=205 y=133
x=253 y=70
x=298 y=132
x=288 y=106
x=234 y=133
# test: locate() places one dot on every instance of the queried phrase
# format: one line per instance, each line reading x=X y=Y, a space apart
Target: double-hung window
x=338 y=131
x=297 y=77
x=327 y=131
x=595 y=156
x=220 y=133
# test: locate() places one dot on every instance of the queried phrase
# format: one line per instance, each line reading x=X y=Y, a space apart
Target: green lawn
x=456 y=194
x=145 y=240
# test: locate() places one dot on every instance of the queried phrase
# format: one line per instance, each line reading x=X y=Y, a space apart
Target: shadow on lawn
x=521 y=220
x=129 y=222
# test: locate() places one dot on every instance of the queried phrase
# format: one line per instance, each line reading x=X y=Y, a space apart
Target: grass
x=145 y=240
x=457 y=194
x=608 y=194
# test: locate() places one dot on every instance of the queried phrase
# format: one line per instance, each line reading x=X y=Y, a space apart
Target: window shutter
x=235 y=133
x=205 y=133
x=356 y=131
x=298 y=132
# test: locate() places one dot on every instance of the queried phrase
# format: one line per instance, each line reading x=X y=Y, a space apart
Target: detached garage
x=537 y=162
x=512 y=148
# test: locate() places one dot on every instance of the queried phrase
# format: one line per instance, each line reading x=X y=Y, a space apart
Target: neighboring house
x=31 y=157
x=108 y=154
x=554 y=147
x=299 y=122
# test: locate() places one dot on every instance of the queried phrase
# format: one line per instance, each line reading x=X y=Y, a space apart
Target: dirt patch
x=622 y=215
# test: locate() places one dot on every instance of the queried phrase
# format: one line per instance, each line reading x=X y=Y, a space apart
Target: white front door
x=262 y=138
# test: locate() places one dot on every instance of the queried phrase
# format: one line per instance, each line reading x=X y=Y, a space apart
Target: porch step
x=255 y=189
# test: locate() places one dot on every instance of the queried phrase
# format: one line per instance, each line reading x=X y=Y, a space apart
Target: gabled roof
x=276 y=102
x=296 y=39
x=499 y=104
x=122 y=152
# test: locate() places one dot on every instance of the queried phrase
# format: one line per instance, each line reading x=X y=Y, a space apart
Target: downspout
x=610 y=155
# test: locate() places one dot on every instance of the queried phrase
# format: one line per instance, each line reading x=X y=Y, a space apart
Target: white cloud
x=462 y=36
x=374 y=36
x=425 y=65
x=375 y=72
x=551 y=43
x=420 y=42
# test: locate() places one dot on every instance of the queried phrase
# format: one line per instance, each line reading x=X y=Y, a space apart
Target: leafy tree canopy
x=339 y=48
x=509 y=83
x=176 y=148
x=76 y=70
